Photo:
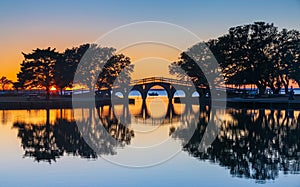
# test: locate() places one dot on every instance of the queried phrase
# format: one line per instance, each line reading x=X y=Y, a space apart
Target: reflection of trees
x=114 y=126
x=190 y=121
x=106 y=137
x=47 y=142
x=253 y=145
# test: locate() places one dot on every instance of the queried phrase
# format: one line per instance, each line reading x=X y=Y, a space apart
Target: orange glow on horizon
x=53 y=88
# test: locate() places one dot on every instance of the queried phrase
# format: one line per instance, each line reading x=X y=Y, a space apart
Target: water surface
x=253 y=147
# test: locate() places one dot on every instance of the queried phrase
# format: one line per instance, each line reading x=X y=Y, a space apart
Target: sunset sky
x=27 y=25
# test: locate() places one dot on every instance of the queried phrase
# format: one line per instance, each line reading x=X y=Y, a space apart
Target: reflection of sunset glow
x=195 y=108
x=77 y=87
x=157 y=106
x=37 y=116
x=137 y=107
x=118 y=110
x=179 y=108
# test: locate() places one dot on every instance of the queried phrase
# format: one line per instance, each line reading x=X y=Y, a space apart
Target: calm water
x=47 y=148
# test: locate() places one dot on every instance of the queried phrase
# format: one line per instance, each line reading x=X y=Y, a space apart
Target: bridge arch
x=139 y=89
x=188 y=91
x=138 y=94
x=195 y=94
x=144 y=88
x=118 y=94
x=166 y=86
x=179 y=93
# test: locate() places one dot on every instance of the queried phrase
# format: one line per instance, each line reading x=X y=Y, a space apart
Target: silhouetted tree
x=37 y=69
x=17 y=86
x=91 y=63
x=112 y=70
x=187 y=69
x=66 y=66
x=287 y=56
x=199 y=65
x=284 y=53
x=247 y=56
x=4 y=82
x=62 y=74
x=255 y=53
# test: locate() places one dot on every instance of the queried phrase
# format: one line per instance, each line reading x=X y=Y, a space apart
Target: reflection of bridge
x=122 y=112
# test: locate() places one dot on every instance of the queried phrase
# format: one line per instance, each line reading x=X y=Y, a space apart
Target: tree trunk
x=286 y=88
x=298 y=82
x=273 y=88
x=261 y=88
x=278 y=87
x=47 y=93
x=285 y=82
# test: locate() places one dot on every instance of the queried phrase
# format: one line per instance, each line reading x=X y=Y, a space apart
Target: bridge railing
x=162 y=80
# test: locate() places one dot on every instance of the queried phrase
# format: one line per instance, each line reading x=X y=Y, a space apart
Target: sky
x=27 y=25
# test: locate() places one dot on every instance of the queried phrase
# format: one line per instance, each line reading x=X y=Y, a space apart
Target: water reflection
x=107 y=139
x=47 y=142
x=46 y=135
x=254 y=144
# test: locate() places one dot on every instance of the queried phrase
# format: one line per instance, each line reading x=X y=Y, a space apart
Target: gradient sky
x=27 y=25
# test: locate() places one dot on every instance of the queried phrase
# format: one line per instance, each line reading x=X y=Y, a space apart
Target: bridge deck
x=161 y=80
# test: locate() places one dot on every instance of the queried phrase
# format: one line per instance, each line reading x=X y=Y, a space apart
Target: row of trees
x=44 y=68
x=249 y=54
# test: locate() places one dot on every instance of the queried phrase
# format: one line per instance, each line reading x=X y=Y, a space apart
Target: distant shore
x=268 y=103
x=16 y=103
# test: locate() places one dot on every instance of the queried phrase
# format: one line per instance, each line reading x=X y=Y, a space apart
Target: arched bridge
x=170 y=86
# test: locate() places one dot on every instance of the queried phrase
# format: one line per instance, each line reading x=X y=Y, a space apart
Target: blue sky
x=207 y=18
x=26 y=25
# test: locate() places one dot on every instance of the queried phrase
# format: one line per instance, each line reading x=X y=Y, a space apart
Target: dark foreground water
x=252 y=147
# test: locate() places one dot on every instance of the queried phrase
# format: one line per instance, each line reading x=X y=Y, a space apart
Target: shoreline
x=17 y=103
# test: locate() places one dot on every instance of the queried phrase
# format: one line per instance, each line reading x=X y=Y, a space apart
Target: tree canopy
x=249 y=54
x=65 y=67
x=100 y=67
x=37 y=69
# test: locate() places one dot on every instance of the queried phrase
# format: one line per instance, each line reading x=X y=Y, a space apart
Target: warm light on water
x=261 y=131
